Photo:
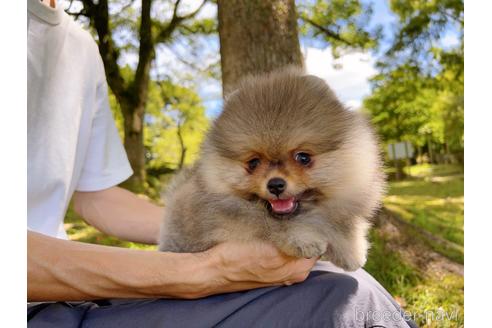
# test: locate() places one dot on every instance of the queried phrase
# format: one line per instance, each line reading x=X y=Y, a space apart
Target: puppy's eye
x=253 y=164
x=303 y=158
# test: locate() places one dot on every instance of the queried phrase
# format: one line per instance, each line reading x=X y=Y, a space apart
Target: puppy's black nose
x=276 y=186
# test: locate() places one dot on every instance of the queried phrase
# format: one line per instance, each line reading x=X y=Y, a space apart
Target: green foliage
x=422 y=23
x=398 y=104
x=204 y=26
x=418 y=95
x=169 y=108
x=176 y=124
x=344 y=24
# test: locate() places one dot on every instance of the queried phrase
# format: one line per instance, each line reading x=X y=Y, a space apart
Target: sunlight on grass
x=431 y=199
x=436 y=205
x=426 y=170
x=387 y=267
x=438 y=302
x=429 y=301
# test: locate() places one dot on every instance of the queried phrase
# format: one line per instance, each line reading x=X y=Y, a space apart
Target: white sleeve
x=106 y=163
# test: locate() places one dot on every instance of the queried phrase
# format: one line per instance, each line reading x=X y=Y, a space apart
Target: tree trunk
x=256 y=36
x=137 y=101
x=431 y=152
x=398 y=170
x=407 y=156
x=183 y=148
x=135 y=149
x=132 y=96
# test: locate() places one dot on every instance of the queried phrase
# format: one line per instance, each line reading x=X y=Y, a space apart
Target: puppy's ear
x=314 y=80
x=317 y=83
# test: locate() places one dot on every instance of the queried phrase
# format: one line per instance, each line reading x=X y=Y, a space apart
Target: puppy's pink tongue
x=283 y=206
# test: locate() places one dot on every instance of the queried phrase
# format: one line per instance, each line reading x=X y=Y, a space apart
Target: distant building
x=400 y=150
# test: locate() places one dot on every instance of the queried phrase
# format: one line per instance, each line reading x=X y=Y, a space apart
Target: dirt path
x=409 y=241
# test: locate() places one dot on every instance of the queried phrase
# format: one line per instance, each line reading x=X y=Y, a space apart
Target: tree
x=418 y=95
x=422 y=24
x=258 y=36
x=399 y=107
x=177 y=128
x=396 y=111
x=131 y=92
x=174 y=123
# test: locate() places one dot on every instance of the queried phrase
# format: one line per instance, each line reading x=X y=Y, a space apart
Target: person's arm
x=59 y=270
x=118 y=212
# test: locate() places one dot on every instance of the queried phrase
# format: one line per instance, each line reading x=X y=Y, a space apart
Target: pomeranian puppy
x=287 y=163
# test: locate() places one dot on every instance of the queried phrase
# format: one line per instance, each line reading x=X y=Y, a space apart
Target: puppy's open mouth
x=281 y=207
x=287 y=208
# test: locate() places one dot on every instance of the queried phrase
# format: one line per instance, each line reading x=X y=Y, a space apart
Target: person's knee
x=351 y=300
x=316 y=302
x=330 y=285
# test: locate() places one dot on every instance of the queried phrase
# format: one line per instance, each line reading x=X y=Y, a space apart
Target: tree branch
x=145 y=55
x=324 y=30
x=99 y=15
x=70 y=5
x=182 y=145
x=196 y=11
x=76 y=15
x=166 y=32
x=128 y=5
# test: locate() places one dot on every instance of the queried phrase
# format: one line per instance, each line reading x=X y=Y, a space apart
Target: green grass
x=433 y=199
x=428 y=170
x=388 y=267
x=431 y=301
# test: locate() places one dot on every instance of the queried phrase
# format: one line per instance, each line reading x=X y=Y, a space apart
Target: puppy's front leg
x=348 y=252
x=301 y=242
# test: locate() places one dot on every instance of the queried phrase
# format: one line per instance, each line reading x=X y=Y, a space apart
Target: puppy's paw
x=349 y=262
x=304 y=249
x=347 y=257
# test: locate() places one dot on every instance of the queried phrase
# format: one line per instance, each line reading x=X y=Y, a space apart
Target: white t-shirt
x=72 y=140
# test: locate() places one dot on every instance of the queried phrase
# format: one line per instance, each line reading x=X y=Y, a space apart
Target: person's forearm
x=120 y=213
x=66 y=270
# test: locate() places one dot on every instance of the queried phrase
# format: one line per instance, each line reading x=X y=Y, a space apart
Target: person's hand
x=241 y=266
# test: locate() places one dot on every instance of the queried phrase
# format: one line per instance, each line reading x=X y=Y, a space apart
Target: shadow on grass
x=450 y=187
x=433 y=202
x=424 y=297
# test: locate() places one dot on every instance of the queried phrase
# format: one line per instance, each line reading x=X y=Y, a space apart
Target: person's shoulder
x=83 y=44
x=80 y=35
